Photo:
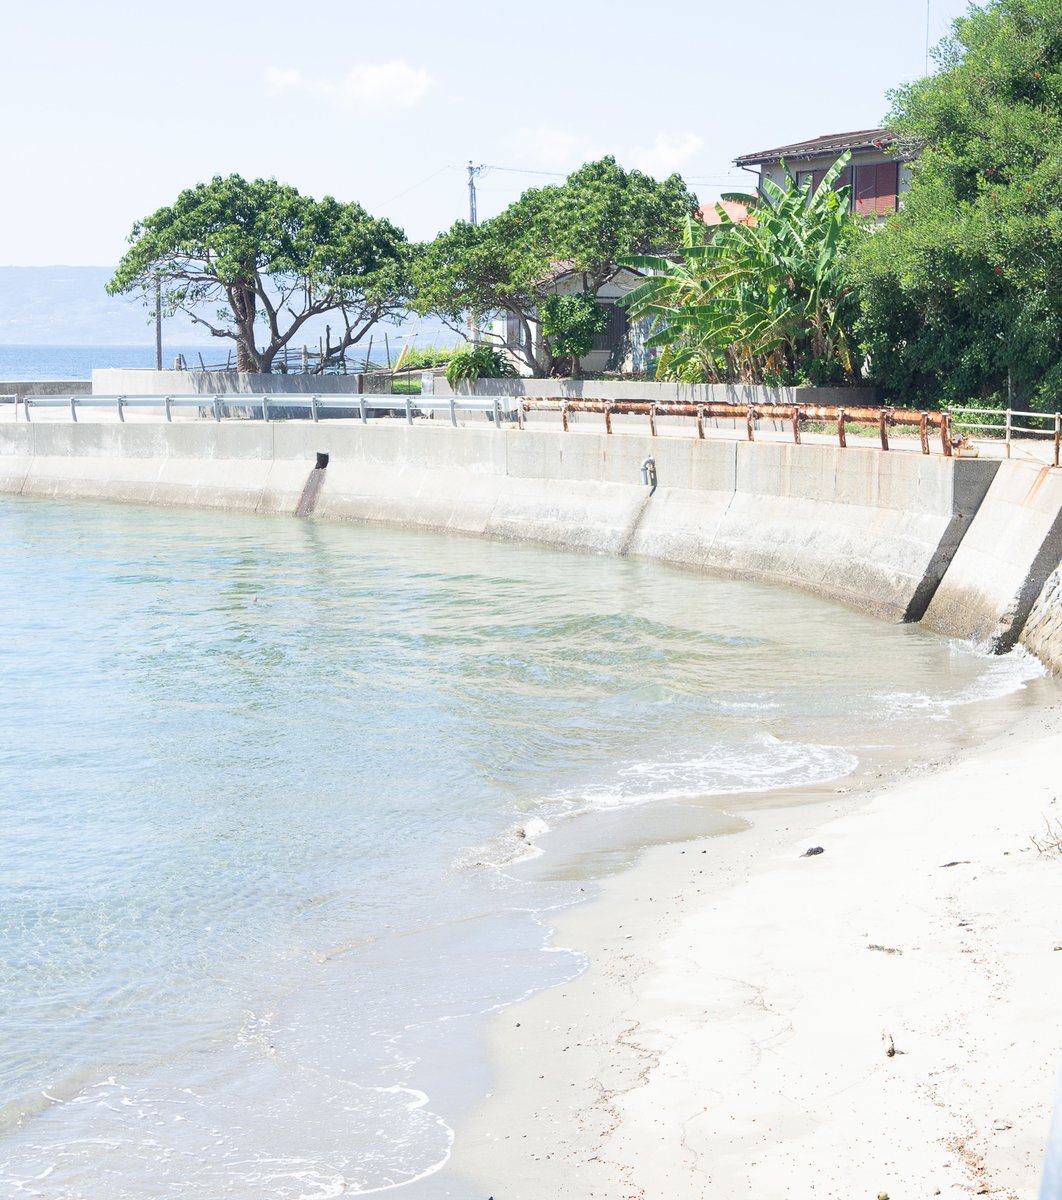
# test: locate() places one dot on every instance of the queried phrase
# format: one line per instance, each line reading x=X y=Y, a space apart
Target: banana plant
x=761 y=299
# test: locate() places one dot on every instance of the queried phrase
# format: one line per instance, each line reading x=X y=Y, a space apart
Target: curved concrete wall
x=873 y=530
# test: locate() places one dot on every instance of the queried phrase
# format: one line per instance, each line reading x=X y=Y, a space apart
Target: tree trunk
x=243 y=301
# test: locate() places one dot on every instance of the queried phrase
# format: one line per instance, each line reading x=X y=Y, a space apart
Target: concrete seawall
x=896 y=535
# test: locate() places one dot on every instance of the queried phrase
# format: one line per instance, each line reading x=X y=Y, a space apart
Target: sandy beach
x=880 y=1017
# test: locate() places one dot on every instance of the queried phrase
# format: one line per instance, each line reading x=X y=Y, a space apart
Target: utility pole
x=158 y=321
x=473 y=172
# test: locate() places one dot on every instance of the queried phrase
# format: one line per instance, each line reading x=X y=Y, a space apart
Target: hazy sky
x=112 y=108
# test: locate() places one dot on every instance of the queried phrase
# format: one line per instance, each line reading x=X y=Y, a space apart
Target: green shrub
x=466 y=366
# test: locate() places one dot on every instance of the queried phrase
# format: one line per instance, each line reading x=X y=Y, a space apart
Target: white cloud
x=365 y=88
x=669 y=152
x=554 y=149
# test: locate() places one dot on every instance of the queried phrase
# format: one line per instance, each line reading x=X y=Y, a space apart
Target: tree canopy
x=960 y=291
x=600 y=214
x=767 y=299
x=243 y=257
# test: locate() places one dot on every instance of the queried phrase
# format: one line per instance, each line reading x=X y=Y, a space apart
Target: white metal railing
x=499 y=408
x=1003 y=426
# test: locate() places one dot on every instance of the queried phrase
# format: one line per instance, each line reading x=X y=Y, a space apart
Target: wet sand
x=881 y=1017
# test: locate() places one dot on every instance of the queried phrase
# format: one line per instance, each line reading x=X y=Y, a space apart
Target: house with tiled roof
x=878 y=172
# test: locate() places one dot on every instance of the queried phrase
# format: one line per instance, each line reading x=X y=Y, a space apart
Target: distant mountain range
x=68 y=306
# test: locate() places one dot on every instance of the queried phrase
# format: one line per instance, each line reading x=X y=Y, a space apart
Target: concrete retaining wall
x=875 y=531
x=1003 y=564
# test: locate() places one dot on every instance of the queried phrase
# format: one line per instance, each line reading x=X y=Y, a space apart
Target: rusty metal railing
x=794 y=414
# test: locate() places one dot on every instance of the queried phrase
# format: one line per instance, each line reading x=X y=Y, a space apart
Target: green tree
x=242 y=257
x=569 y=322
x=584 y=226
x=960 y=292
x=767 y=300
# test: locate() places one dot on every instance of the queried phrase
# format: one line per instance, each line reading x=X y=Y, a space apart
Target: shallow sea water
x=286 y=807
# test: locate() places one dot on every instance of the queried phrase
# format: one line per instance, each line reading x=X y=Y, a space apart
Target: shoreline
x=729 y=1037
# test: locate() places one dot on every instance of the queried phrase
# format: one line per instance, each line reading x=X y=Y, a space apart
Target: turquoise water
x=269 y=794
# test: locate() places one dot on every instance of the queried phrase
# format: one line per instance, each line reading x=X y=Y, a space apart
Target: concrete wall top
x=665 y=393
x=115 y=381
x=45 y=387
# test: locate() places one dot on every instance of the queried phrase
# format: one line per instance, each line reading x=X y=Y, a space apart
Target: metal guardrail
x=793 y=414
x=498 y=407
x=1008 y=428
x=949 y=424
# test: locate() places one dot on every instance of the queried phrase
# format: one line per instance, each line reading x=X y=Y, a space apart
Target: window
x=876 y=188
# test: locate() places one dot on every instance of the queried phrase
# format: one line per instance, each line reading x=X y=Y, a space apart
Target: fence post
x=923 y=432
x=652 y=419
x=25 y=407
x=1058 y=432
x=700 y=422
x=409 y=411
x=73 y=409
x=497 y=413
x=883 y=425
x=265 y=407
x=840 y=429
x=121 y=407
x=169 y=413
x=796 y=425
x=453 y=411
x=313 y=407
x=749 y=428
x=217 y=408
x=1008 y=432
x=361 y=404
x=945 y=434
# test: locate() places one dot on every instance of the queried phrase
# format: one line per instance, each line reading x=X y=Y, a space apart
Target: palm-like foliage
x=764 y=301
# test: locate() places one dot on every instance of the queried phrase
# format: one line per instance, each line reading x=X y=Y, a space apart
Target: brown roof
x=827 y=143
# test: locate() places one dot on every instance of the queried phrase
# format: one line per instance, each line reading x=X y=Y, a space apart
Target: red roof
x=734 y=209
x=827 y=143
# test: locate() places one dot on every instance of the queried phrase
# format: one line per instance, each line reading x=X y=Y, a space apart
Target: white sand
x=729 y=1038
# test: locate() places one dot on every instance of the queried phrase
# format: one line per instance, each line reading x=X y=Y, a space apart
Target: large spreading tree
x=255 y=261
x=961 y=296
x=580 y=228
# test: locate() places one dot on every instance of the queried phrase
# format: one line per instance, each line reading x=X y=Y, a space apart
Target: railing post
x=169 y=411
x=121 y=408
x=520 y=414
x=217 y=408
x=945 y=433
x=497 y=413
x=25 y=406
x=361 y=405
x=313 y=407
x=652 y=419
x=923 y=432
x=265 y=407
x=749 y=429
x=73 y=409
x=608 y=418
x=1058 y=434
x=409 y=411
x=840 y=429
x=564 y=417
x=796 y=425
x=883 y=426
x=1008 y=432
x=453 y=411
x=700 y=422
